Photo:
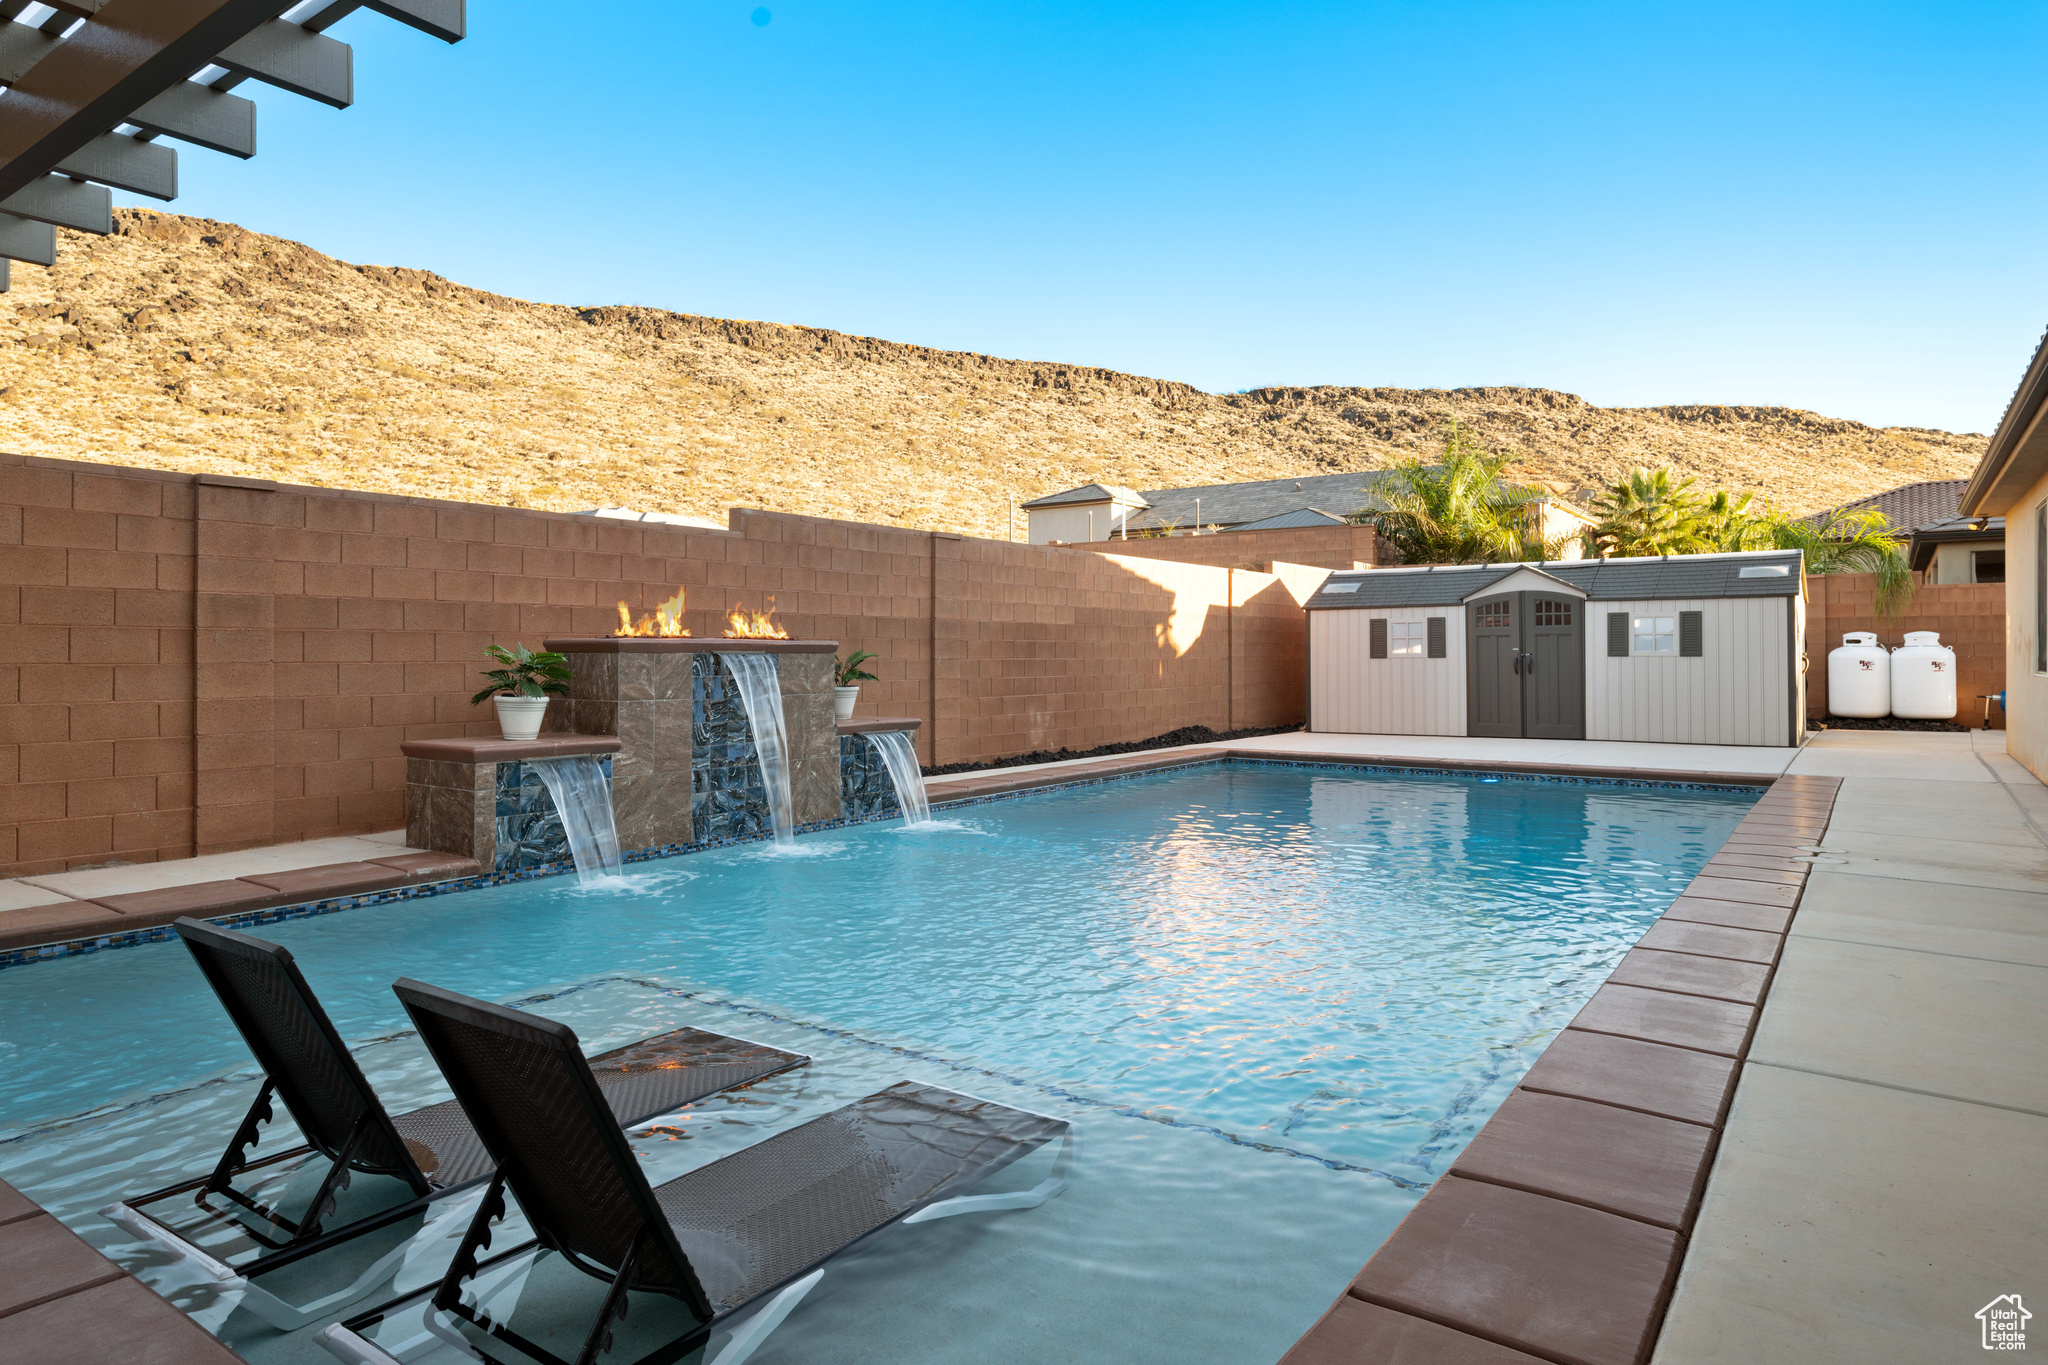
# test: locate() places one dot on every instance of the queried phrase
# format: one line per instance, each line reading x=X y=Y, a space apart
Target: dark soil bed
x=1944 y=727
x=1188 y=734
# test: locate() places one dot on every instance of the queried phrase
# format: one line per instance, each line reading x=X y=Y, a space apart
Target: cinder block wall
x=199 y=663
x=1324 y=547
x=1970 y=617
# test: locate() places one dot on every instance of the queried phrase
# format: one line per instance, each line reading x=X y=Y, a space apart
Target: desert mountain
x=183 y=344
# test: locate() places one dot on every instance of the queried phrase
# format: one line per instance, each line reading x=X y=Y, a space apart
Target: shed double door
x=1527 y=653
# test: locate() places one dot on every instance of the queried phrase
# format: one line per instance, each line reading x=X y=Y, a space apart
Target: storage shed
x=1679 y=649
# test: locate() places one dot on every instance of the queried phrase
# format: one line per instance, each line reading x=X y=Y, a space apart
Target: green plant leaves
x=527 y=673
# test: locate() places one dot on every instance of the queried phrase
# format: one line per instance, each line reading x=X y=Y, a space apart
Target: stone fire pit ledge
x=509 y=750
x=685 y=644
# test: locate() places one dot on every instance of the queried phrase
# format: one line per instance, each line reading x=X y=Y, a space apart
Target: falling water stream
x=760 y=687
x=583 y=798
x=904 y=774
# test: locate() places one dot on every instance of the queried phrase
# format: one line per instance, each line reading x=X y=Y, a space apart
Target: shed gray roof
x=1611 y=580
x=1307 y=516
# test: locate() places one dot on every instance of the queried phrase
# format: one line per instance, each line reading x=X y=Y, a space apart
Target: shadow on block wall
x=191 y=664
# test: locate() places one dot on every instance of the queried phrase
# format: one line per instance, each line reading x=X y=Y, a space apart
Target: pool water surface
x=1274 y=1000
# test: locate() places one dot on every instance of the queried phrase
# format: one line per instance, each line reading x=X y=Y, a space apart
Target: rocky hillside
x=184 y=344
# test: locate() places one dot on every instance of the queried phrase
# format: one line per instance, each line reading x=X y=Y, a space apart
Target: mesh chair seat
x=757 y=1218
x=640 y=1081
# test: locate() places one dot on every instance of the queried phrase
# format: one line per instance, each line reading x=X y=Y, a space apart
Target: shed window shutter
x=1691 y=634
x=1617 y=635
x=1378 y=628
x=1437 y=648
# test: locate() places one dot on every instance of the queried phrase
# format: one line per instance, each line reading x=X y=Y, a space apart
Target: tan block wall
x=1970 y=617
x=1325 y=547
x=195 y=664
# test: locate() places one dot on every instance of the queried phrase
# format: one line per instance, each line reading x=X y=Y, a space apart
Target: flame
x=664 y=620
x=742 y=624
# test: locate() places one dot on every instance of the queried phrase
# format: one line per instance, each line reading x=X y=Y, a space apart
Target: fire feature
x=665 y=620
x=742 y=624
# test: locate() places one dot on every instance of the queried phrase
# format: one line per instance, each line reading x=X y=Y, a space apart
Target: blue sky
x=1829 y=207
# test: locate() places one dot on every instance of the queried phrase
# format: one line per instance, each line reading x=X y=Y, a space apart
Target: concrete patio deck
x=1880 y=1178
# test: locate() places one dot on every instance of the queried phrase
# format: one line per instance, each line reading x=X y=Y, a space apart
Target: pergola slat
x=205 y=118
x=23 y=239
x=126 y=163
x=292 y=58
x=64 y=202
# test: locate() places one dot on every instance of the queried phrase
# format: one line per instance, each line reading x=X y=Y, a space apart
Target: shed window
x=1494 y=614
x=1549 y=613
x=1405 y=639
x=1656 y=635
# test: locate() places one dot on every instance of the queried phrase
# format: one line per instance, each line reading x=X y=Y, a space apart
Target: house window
x=1656 y=635
x=1405 y=639
x=1987 y=566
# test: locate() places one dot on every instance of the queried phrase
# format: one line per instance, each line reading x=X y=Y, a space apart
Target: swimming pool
x=1275 y=1000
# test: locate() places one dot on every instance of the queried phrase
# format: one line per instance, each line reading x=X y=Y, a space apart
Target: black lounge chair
x=432 y=1151
x=738 y=1242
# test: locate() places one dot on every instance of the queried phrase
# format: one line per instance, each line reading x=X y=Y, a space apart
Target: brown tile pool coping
x=61 y=1300
x=259 y=891
x=1557 y=1234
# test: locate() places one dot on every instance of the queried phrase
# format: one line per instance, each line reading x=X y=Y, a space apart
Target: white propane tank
x=1924 y=678
x=1860 y=677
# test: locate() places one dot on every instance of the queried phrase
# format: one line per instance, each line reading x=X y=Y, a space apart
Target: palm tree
x=1460 y=510
x=1836 y=542
x=1652 y=512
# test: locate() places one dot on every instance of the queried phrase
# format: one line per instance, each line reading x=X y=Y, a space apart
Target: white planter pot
x=520 y=717
x=843 y=699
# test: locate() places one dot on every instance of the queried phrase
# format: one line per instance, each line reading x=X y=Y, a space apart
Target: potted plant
x=848 y=675
x=520 y=689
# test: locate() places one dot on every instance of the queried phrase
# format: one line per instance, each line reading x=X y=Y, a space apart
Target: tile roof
x=1910 y=506
x=1611 y=580
x=1233 y=504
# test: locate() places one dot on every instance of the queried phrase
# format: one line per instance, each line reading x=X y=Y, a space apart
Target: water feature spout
x=760 y=688
x=904 y=775
x=582 y=790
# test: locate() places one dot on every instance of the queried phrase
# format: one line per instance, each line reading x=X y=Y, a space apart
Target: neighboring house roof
x=1287 y=521
x=1089 y=493
x=1770 y=573
x=1910 y=506
x=1957 y=530
x=1235 y=504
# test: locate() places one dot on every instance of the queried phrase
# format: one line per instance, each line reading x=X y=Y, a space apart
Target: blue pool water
x=1276 y=1001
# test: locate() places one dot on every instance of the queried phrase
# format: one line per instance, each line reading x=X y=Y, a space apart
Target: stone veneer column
x=813 y=735
x=643 y=697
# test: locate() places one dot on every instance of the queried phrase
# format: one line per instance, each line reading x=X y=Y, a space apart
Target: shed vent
x=1437 y=647
x=1377 y=637
x=1691 y=634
